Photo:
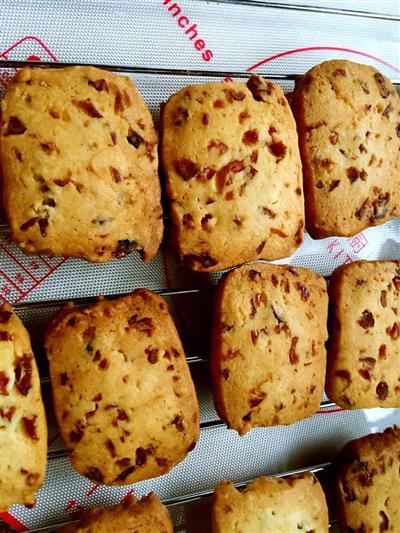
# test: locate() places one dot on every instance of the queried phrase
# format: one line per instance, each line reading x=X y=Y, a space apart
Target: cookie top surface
x=121 y=385
x=348 y=120
x=78 y=154
x=367 y=482
x=233 y=173
x=271 y=505
x=23 y=429
x=364 y=347
x=268 y=355
x=147 y=515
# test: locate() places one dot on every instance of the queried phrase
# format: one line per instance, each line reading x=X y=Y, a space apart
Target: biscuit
x=147 y=515
x=122 y=388
x=23 y=428
x=364 y=343
x=367 y=483
x=78 y=152
x=268 y=355
x=348 y=121
x=271 y=505
x=233 y=174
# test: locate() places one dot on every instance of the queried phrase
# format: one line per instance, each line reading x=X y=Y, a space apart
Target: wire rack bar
x=195 y=496
x=211 y=424
x=155 y=71
x=314 y=9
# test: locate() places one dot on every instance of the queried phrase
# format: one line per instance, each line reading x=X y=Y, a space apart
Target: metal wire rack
x=192 y=359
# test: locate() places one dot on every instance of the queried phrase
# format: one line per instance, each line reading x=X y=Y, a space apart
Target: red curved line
x=309 y=48
x=34 y=38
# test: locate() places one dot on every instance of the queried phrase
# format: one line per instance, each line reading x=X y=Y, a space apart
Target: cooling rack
x=181 y=77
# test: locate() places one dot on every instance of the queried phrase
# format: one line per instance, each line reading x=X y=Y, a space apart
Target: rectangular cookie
x=23 y=428
x=147 y=515
x=233 y=174
x=367 y=483
x=348 y=121
x=78 y=154
x=271 y=505
x=122 y=387
x=364 y=343
x=268 y=356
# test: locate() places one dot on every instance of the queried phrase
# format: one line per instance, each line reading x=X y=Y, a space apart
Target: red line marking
x=11 y=281
x=326 y=411
x=17 y=261
x=13 y=522
x=33 y=38
x=45 y=261
x=93 y=489
x=310 y=48
x=38 y=282
x=130 y=491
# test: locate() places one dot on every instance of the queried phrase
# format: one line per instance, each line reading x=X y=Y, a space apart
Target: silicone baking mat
x=164 y=45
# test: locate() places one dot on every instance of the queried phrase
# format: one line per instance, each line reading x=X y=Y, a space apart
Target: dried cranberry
x=366 y=320
x=250 y=137
x=142 y=324
x=134 y=139
x=382 y=390
x=177 y=422
x=333 y=184
x=99 y=85
x=259 y=88
x=110 y=447
x=225 y=373
x=254 y=275
x=293 y=357
x=394 y=330
x=15 y=127
x=231 y=167
x=3 y=383
x=186 y=168
x=383 y=88
x=30 y=426
x=383 y=298
x=304 y=291
x=141 y=456
x=152 y=355
x=23 y=374
x=87 y=107
x=29 y=223
x=278 y=149
x=5 y=316
x=354 y=174
x=125 y=473
x=9 y=413
x=125 y=247
x=94 y=474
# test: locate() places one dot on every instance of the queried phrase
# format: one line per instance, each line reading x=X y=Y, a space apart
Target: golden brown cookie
x=147 y=515
x=271 y=505
x=23 y=428
x=348 y=120
x=233 y=174
x=268 y=355
x=122 y=387
x=367 y=483
x=78 y=153
x=364 y=344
